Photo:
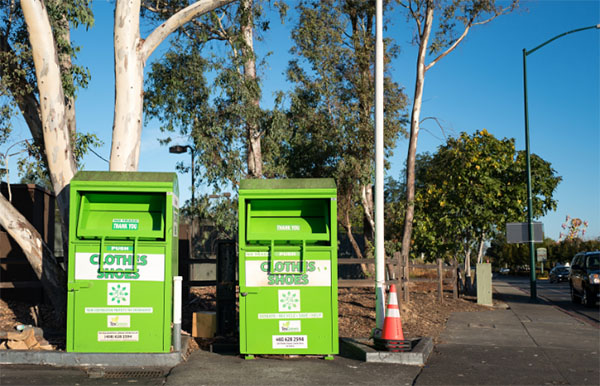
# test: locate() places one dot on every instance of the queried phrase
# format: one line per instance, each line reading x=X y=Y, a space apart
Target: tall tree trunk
x=480 y=249
x=414 y=135
x=57 y=139
x=368 y=219
x=254 y=156
x=131 y=53
x=39 y=256
x=129 y=78
x=468 y=269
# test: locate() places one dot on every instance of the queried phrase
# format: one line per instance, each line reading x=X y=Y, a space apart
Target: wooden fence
x=405 y=280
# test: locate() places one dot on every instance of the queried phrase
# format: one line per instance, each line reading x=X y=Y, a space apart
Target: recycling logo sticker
x=289 y=300
x=118 y=294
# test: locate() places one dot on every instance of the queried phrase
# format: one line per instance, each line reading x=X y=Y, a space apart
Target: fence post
x=226 y=295
x=454 y=279
x=405 y=281
x=440 y=272
x=397 y=259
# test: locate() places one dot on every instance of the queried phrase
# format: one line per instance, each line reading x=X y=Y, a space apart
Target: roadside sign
x=518 y=232
x=541 y=254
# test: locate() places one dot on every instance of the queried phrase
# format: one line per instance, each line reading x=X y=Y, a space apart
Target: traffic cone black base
x=393 y=345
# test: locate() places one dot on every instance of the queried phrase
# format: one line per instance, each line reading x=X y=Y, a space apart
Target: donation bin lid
x=288 y=183
x=122 y=204
x=124 y=178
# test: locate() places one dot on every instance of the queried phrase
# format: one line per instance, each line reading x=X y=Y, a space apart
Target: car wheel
x=551 y=280
x=574 y=297
x=588 y=299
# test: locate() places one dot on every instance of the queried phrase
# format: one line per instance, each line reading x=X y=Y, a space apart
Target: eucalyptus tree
x=331 y=109
x=455 y=20
x=39 y=79
x=22 y=92
x=215 y=99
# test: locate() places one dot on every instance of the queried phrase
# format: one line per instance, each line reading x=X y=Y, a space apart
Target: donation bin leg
x=177 y=313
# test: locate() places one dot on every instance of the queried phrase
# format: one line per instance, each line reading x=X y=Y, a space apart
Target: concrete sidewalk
x=526 y=343
x=521 y=343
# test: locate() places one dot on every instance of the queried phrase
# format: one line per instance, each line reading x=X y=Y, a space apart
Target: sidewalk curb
x=359 y=349
x=76 y=359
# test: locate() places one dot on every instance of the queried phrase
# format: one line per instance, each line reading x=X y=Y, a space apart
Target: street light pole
x=533 y=289
x=179 y=149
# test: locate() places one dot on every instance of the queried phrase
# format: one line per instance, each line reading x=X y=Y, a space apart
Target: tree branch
x=451 y=48
x=470 y=24
x=177 y=20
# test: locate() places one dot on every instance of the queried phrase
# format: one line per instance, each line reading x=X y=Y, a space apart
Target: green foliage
x=468 y=190
x=18 y=83
x=455 y=15
x=32 y=170
x=331 y=113
x=194 y=92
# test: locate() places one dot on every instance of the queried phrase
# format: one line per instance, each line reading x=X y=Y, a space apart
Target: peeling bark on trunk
x=468 y=269
x=129 y=70
x=254 y=156
x=368 y=219
x=131 y=53
x=39 y=256
x=480 y=249
x=57 y=141
x=414 y=135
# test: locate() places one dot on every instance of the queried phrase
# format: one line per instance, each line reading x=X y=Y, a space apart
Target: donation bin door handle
x=134 y=267
x=76 y=286
x=246 y=293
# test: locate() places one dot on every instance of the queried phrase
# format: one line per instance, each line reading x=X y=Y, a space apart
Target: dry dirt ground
x=424 y=315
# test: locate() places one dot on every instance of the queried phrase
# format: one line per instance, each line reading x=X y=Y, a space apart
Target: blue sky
x=477 y=86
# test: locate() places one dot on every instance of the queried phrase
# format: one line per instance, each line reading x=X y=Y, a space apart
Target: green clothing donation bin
x=122 y=258
x=288 y=267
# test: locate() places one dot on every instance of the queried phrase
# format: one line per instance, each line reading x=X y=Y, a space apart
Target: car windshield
x=594 y=261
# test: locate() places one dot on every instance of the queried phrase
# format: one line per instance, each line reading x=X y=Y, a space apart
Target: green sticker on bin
x=125 y=224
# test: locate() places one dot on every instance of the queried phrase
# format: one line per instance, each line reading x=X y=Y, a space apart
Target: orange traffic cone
x=392 y=325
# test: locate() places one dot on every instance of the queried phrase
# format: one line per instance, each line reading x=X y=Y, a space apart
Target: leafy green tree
x=222 y=115
x=469 y=189
x=215 y=100
x=21 y=92
x=330 y=118
x=38 y=77
x=455 y=21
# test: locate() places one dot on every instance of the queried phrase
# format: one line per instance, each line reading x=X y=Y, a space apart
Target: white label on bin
x=118 y=310
x=150 y=267
x=289 y=326
x=125 y=224
x=292 y=315
x=281 y=273
x=288 y=300
x=290 y=341
x=118 y=336
x=118 y=321
x=118 y=294
x=257 y=254
x=285 y=227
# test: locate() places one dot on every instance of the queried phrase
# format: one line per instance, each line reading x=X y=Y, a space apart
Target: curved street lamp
x=527 y=152
x=179 y=149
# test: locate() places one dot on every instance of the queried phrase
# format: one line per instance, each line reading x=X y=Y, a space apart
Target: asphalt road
x=557 y=294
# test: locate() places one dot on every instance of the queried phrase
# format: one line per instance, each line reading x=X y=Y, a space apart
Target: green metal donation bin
x=123 y=234
x=288 y=267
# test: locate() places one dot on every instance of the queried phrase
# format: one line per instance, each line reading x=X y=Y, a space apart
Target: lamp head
x=177 y=149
